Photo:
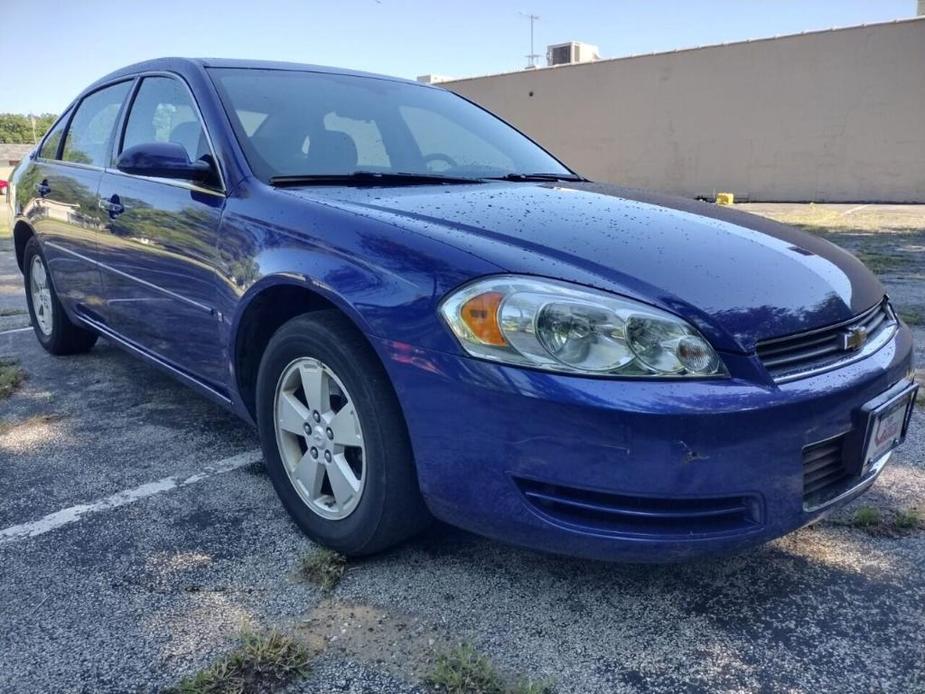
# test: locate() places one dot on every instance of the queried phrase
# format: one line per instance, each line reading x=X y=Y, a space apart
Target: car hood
x=740 y=278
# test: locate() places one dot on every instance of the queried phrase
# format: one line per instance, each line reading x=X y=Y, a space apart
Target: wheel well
x=22 y=232
x=262 y=318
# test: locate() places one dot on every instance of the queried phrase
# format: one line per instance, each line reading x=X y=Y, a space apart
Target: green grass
x=889 y=523
x=10 y=377
x=909 y=519
x=324 y=567
x=881 y=263
x=866 y=517
x=463 y=670
x=261 y=663
x=912 y=316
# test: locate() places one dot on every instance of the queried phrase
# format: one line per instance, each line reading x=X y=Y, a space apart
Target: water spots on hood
x=751 y=277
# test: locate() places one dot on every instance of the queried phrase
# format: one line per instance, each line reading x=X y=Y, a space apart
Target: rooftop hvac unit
x=433 y=79
x=571 y=52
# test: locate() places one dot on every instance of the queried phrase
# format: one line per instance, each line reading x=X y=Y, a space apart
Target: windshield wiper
x=367 y=178
x=535 y=177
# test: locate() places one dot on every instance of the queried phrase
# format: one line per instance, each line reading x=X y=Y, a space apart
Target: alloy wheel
x=320 y=439
x=41 y=296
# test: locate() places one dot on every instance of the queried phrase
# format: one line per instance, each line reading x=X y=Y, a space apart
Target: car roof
x=178 y=64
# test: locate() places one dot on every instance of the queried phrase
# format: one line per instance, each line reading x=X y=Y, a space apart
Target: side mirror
x=162 y=160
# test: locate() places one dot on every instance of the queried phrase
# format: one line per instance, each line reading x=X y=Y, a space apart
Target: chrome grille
x=795 y=356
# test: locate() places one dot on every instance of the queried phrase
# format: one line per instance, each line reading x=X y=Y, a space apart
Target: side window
x=163 y=111
x=50 y=146
x=445 y=144
x=365 y=135
x=88 y=137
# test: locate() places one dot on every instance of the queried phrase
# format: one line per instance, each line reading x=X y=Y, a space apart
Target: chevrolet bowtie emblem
x=853 y=338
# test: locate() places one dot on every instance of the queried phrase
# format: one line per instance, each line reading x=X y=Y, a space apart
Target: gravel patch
x=349 y=677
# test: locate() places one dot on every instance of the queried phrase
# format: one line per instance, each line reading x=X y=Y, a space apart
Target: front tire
x=54 y=330
x=334 y=439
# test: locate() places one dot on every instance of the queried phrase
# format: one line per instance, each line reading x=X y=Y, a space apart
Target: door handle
x=43 y=188
x=112 y=206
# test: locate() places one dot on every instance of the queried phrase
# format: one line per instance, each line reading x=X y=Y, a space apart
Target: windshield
x=293 y=123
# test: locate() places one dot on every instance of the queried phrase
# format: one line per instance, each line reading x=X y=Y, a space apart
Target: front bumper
x=494 y=444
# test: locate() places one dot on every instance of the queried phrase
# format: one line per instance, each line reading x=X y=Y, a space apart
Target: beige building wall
x=827 y=116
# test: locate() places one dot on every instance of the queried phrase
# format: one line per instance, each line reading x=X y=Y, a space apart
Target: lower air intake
x=637 y=515
x=825 y=474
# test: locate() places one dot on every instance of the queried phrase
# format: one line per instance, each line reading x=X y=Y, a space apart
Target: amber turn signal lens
x=480 y=314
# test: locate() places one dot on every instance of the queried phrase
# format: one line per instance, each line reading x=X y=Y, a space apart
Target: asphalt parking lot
x=139 y=536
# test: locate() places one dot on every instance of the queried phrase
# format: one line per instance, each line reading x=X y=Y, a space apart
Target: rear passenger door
x=65 y=178
x=159 y=245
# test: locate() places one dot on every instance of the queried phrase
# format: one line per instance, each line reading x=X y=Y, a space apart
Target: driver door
x=158 y=251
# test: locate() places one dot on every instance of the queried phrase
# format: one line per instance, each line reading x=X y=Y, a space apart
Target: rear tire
x=321 y=357
x=53 y=329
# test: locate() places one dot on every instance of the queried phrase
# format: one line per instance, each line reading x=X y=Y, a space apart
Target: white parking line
x=55 y=520
x=854 y=209
x=17 y=330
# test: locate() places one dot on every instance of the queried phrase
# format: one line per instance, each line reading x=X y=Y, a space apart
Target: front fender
x=301 y=281
x=386 y=279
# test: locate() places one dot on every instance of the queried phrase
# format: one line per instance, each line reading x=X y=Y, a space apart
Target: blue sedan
x=427 y=315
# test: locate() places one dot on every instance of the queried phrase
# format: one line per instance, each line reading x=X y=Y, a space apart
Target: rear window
x=53 y=141
x=89 y=135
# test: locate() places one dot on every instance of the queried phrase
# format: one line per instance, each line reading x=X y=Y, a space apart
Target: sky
x=50 y=50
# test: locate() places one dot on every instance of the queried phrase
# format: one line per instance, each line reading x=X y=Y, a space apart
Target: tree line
x=16 y=128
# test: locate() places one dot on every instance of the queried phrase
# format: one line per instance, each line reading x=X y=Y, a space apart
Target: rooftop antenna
x=531 y=58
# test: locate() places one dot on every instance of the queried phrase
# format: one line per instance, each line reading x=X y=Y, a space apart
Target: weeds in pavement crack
x=261 y=663
x=463 y=670
x=323 y=567
x=11 y=375
x=884 y=523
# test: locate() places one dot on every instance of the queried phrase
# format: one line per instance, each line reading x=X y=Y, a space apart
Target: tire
x=57 y=334
x=389 y=507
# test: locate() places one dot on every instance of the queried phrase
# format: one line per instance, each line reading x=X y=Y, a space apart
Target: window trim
x=122 y=123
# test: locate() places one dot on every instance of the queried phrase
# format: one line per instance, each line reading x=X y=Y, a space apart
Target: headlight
x=561 y=327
